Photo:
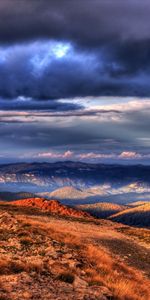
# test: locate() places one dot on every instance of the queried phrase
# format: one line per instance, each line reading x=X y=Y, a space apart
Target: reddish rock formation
x=52 y=206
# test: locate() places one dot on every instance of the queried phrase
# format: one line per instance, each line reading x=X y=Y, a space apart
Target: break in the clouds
x=63 y=49
x=49 y=70
x=74 y=80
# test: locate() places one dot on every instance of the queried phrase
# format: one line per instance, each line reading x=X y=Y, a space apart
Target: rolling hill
x=70 y=195
x=102 y=210
x=136 y=216
x=67 y=192
x=137 y=203
x=51 y=206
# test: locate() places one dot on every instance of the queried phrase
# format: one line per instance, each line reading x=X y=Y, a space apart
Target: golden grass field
x=46 y=256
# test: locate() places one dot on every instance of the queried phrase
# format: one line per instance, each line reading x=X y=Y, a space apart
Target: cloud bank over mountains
x=75 y=75
x=99 y=129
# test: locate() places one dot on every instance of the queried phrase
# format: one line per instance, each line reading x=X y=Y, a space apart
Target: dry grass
x=36 y=237
x=8 y=266
x=140 y=234
x=101 y=268
x=126 y=283
x=38 y=227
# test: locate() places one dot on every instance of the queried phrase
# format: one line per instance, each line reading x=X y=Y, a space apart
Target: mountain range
x=49 y=176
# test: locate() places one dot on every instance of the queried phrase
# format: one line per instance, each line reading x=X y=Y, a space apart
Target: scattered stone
x=67 y=255
x=72 y=263
x=79 y=283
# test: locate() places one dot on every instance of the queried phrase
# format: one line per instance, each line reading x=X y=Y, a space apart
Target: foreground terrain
x=50 y=256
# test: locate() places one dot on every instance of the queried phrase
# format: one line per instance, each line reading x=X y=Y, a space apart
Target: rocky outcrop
x=52 y=206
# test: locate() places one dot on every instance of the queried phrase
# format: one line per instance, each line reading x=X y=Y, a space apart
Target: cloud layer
x=74 y=79
x=101 y=129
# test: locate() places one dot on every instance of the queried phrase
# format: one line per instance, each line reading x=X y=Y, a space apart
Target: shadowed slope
x=102 y=210
x=139 y=216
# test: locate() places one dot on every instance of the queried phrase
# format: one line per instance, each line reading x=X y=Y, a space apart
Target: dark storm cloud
x=60 y=78
x=84 y=22
x=113 y=38
x=27 y=70
x=31 y=104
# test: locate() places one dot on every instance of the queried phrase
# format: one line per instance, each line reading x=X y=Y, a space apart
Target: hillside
x=67 y=192
x=102 y=210
x=52 y=257
x=137 y=216
x=51 y=206
x=137 y=203
x=73 y=196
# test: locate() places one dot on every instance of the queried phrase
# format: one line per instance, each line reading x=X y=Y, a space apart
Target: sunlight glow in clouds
x=40 y=54
x=45 y=52
x=128 y=155
x=55 y=155
x=91 y=156
x=60 y=49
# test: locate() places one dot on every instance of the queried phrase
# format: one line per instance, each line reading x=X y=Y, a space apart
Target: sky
x=75 y=81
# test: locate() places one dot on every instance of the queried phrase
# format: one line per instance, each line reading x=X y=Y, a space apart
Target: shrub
x=66 y=277
x=26 y=241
